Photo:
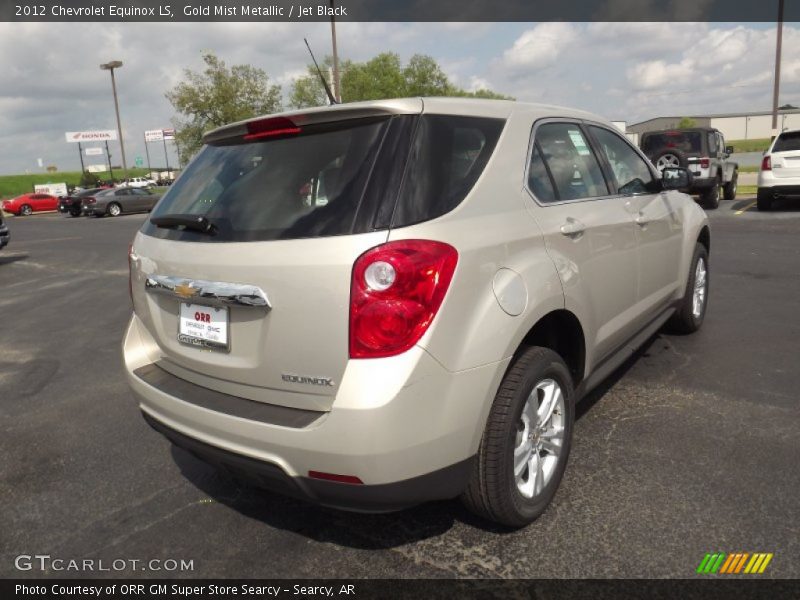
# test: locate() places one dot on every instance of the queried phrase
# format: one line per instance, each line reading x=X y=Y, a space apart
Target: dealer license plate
x=204 y=326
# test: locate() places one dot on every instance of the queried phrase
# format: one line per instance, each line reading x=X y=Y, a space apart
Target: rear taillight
x=396 y=291
x=704 y=162
x=766 y=163
x=90 y=200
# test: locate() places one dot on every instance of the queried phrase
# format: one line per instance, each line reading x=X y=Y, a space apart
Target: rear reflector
x=272 y=127
x=352 y=479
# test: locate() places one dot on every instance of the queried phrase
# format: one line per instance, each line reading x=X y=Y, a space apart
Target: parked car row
x=99 y=202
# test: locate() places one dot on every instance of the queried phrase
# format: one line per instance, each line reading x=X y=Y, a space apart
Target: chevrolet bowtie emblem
x=186 y=290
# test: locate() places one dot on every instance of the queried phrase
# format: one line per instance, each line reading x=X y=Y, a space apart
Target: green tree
x=217 y=96
x=687 y=123
x=383 y=76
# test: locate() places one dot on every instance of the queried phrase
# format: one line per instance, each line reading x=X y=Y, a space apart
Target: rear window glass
x=309 y=185
x=787 y=142
x=447 y=156
x=685 y=141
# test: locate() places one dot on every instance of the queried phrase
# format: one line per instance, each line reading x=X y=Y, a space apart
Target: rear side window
x=447 y=156
x=539 y=181
x=787 y=142
x=570 y=161
x=310 y=185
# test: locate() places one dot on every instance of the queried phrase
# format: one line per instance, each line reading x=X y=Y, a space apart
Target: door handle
x=573 y=228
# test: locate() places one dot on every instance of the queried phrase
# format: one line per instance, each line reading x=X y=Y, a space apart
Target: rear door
x=589 y=231
x=283 y=261
x=658 y=221
x=786 y=155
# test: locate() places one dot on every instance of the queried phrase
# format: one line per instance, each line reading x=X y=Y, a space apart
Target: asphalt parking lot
x=692 y=447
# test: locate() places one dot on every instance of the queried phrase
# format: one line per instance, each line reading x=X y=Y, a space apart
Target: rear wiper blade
x=197 y=223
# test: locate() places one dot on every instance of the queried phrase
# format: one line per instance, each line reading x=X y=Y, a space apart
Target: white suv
x=780 y=170
x=376 y=304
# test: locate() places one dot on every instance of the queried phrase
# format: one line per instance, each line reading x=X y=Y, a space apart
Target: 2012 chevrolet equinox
x=378 y=304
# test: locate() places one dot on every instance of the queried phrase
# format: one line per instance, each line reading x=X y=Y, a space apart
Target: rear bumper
x=702 y=183
x=405 y=426
x=444 y=483
x=782 y=191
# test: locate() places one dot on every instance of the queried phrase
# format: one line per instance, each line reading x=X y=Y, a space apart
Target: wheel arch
x=560 y=331
x=704 y=238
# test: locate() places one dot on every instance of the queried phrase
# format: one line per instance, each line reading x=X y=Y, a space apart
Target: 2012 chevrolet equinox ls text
x=378 y=304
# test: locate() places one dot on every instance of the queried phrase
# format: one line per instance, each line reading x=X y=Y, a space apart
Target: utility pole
x=776 y=89
x=110 y=170
x=147 y=152
x=80 y=153
x=337 y=90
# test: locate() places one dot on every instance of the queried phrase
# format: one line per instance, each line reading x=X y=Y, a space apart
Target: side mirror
x=728 y=150
x=675 y=178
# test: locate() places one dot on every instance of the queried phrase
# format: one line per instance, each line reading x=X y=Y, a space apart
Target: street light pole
x=110 y=66
x=777 y=86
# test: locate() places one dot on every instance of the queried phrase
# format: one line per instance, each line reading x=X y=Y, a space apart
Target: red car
x=28 y=203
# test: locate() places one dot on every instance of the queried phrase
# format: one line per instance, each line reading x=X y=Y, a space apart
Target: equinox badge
x=326 y=381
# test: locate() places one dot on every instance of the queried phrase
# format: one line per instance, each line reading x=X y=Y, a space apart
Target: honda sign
x=104 y=135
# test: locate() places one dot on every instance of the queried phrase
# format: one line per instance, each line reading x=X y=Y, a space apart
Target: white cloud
x=540 y=46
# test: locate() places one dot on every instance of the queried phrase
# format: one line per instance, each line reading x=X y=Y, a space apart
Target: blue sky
x=622 y=71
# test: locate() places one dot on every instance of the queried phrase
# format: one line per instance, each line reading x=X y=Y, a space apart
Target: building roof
x=758 y=113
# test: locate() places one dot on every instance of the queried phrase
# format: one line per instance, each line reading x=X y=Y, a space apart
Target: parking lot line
x=746 y=208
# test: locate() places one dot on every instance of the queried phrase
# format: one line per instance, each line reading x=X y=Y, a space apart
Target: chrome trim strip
x=211 y=293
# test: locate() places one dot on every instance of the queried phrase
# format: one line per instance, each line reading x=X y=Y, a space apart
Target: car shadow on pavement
x=355 y=530
x=12 y=258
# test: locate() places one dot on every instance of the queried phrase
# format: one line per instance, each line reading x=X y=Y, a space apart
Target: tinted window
x=571 y=162
x=447 y=156
x=685 y=141
x=539 y=181
x=308 y=185
x=712 y=143
x=630 y=171
x=787 y=141
x=139 y=192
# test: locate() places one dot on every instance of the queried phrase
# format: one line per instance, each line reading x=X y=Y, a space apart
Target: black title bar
x=395 y=10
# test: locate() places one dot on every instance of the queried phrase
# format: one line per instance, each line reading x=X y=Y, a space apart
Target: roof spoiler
x=318 y=116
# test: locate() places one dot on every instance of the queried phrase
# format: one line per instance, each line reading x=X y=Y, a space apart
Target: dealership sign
x=93 y=151
x=104 y=135
x=154 y=135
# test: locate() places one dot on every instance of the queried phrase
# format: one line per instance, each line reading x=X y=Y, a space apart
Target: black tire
x=764 y=199
x=492 y=491
x=25 y=210
x=674 y=152
x=709 y=199
x=684 y=320
x=729 y=189
x=114 y=210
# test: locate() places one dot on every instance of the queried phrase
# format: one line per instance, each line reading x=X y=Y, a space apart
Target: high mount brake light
x=272 y=127
x=395 y=293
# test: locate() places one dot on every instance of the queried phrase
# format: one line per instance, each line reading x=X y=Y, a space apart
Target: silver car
x=378 y=304
x=114 y=202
